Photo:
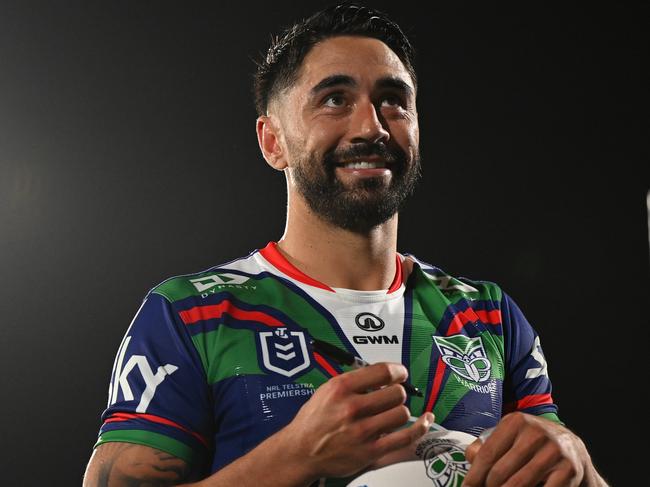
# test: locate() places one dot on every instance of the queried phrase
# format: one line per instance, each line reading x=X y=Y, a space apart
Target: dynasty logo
x=207 y=285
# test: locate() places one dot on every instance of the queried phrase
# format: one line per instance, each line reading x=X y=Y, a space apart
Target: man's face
x=351 y=132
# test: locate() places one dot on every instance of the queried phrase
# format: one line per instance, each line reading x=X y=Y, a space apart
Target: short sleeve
x=527 y=387
x=158 y=394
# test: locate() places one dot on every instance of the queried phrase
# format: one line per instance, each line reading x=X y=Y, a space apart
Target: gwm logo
x=465 y=356
x=369 y=322
x=372 y=323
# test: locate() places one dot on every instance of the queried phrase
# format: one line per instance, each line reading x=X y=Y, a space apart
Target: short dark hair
x=279 y=69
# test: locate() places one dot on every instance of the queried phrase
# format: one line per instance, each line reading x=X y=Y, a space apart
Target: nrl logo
x=284 y=352
x=465 y=356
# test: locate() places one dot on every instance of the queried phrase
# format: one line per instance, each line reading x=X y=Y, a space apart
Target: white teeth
x=364 y=165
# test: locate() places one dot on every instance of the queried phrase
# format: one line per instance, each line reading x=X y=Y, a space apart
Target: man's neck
x=337 y=257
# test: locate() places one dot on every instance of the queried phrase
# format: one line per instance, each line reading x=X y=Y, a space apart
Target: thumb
x=475 y=446
x=472 y=450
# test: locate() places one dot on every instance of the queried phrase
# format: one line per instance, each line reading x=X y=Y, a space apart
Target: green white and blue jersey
x=215 y=362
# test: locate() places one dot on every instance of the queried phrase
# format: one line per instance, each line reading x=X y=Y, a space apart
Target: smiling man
x=354 y=168
x=218 y=379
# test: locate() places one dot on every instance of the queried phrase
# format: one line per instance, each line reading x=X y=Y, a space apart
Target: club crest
x=284 y=352
x=446 y=468
x=442 y=452
x=465 y=356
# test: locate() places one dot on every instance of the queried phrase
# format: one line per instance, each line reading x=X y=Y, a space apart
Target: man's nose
x=367 y=124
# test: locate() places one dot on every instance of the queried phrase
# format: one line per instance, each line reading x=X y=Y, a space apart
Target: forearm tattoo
x=128 y=465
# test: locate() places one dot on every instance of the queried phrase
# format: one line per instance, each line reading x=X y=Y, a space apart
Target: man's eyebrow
x=334 y=80
x=391 y=82
x=394 y=83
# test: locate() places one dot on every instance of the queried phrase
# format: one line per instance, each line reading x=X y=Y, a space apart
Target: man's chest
x=261 y=372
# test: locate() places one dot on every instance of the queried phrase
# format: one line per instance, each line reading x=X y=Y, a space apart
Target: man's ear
x=269 y=140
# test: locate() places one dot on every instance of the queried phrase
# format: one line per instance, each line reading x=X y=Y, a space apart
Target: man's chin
x=361 y=200
x=368 y=187
x=357 y=223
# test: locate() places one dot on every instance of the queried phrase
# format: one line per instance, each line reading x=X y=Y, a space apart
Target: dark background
x=128 y=154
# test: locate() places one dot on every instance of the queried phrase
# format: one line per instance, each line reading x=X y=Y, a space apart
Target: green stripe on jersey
x=259 y=293
x=553 y=417
x=178 y=288
x=420 y=356
x=289 y=303
x=431 y=300
x=226 y=352
x=150 y=439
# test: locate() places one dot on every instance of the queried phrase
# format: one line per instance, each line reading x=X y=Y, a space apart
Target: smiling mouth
x=363 y=165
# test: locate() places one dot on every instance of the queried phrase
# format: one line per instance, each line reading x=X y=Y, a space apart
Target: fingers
x=423 y=423
x=421 y=426
x=374 y=377
x=348 y=423
x=380 y=400
x=404 y=437
x=379 y=424
x=527 y=450
x=520 y=463
x=472 y=450
x=561 y=477
x=535 y=470
x=499 y=442
x=416 y=429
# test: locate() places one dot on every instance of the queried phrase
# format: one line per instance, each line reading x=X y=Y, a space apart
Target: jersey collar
x=273 y=255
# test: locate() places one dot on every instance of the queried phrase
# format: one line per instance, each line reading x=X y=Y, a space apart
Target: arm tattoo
x=170 y=463
x=130 y=465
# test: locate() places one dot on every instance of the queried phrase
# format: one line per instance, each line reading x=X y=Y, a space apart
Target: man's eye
x=334 y=101
x=391 y=101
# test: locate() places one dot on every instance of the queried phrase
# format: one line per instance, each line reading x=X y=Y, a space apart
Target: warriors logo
x=446 y=465
x=443 y=455
x=465 y=356
x=284 y=352
x=441 y=463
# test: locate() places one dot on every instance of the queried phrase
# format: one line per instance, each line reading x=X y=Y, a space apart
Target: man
x=218 y=378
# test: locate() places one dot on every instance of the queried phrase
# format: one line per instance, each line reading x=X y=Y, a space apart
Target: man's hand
x=350 y=422
x=346 y=426
x=526 y=450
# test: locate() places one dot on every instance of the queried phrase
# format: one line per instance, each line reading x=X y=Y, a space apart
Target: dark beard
x=370 y=202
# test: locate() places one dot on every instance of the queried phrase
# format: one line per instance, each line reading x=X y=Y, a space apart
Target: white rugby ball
x=440 y=463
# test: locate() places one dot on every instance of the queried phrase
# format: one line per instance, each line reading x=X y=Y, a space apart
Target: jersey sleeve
x=158 y=394
x=527 y=387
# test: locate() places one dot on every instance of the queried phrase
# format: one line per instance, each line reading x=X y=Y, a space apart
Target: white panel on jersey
x=372 y=321
x=251 y=264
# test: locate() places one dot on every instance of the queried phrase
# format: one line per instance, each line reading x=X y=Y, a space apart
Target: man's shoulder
x=232 y=272
x=449 y=283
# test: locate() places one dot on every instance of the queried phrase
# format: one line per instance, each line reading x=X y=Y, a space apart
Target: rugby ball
x=440 y=462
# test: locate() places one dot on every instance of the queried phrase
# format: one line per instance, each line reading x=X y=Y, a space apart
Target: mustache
x=390 y=155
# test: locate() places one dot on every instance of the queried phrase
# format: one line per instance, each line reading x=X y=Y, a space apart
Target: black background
x=128 y=154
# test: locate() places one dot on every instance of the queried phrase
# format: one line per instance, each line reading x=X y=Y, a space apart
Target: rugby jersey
x=215 y=362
